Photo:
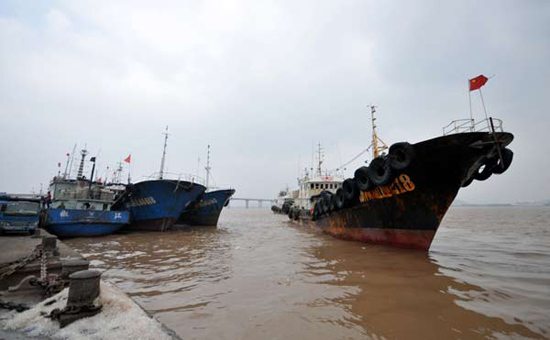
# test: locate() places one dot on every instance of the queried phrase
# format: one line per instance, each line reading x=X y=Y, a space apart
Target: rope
x=352 y=160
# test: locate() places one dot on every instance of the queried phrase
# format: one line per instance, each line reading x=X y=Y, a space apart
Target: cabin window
x=316 y=185
x=311 y=185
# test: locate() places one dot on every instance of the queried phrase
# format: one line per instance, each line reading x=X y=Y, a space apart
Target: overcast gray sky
x=262 y=80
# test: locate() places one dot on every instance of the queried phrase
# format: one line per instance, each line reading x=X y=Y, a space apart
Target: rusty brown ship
x=400 y=198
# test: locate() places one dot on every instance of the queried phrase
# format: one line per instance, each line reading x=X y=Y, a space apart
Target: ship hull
x=408 y=211
x=66 y=223
x=156 y=205
x=206 y=211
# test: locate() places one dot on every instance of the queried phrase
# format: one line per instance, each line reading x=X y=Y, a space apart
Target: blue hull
x=156 y=205
x=82 y=223
x=207 y=210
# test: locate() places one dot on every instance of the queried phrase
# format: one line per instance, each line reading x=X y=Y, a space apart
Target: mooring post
x=49 y=243
x=246 y=202
x=72 y=266
x=83 y=300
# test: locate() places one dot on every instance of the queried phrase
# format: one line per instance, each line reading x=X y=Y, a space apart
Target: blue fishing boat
x=19 y=213
x=206 y=210
x=155 y=205
x=81 y=207
x=79 y=223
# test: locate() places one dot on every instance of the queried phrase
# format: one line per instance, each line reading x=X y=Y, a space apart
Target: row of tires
x=284 y=209
x=380 y=171
x=492 y=165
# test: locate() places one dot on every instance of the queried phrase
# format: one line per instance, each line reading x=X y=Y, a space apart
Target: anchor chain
x=18 y=307
x=51 y=283
x=20 y=263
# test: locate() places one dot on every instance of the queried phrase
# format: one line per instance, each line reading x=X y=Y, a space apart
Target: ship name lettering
x=400 y=185
x=142 y=201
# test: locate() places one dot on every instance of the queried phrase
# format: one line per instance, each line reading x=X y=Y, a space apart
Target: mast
x=118 y=173
x=68 y=175
x=376 y=150
x=207 y=168
x=83 y=152
x=319 y=160
x=67 y=165
x=161 y=172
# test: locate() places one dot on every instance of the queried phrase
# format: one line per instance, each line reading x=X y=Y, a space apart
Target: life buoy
x=351 y=192
x=380 y=171
x=401 y=155
x=507 y=157
x=362 y=178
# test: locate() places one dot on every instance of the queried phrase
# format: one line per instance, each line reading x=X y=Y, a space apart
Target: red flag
x=128 y=159
x=477 y=82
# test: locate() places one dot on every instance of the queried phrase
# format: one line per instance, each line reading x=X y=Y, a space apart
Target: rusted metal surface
x=408 y=211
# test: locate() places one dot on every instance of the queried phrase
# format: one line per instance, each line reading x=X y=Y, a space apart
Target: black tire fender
x=351 y=192
x=362 y=178
x=507 y=157
x=380 y=171
x=332 y=203
x=296 y=214
x=339 y=198
x=468 y=182
x=487 y=169
x=325 y=202
x=401 y=155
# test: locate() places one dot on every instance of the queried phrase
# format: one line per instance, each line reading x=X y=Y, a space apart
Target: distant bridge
x=259 y=200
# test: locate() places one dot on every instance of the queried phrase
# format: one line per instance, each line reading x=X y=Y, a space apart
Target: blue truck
x=19 y=214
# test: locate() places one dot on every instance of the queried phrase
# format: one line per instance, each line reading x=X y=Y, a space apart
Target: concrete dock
x=13 y=248
x=120 y=316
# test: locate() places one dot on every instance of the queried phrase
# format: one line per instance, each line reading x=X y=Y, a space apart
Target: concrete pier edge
x=16 y=247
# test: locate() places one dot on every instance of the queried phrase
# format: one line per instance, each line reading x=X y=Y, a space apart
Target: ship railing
x=178 y=177
x=470 y=125
x=85 y=195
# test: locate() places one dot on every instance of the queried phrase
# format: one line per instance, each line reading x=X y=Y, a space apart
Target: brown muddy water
x=258 y=276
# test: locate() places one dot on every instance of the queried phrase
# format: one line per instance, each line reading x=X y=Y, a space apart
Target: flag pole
x=129 y=169
x=471 y=115
x=483 y=103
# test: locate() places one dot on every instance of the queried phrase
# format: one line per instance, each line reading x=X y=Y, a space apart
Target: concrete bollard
x=72 y=266
x=83 y=300
x=49 y=243
x=83 y=288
